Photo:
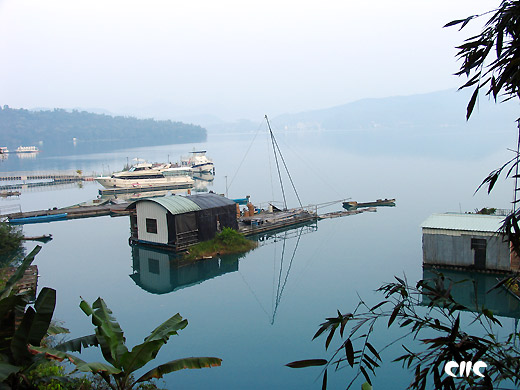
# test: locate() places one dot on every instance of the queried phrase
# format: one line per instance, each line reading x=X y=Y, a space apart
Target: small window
x=151 y=225
x=153 y=266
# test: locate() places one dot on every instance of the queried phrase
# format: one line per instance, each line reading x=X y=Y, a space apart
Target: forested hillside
x=58 y=128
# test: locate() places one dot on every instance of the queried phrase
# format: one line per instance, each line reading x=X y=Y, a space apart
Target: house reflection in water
x=466 y=248
x=475 y=291
x=160 y=272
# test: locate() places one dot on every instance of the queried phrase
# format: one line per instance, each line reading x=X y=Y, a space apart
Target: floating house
x=470 y=241
x=176 y=222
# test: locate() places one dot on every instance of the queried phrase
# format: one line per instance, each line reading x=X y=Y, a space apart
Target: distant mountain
x=438 y=110
x=58 y=131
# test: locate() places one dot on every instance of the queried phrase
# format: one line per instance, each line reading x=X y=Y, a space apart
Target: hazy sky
x=228 y=58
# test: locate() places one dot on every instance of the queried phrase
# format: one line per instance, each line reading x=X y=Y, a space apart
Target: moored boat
x=198 y=161
x=27 y=149
x=146 y=175
x=38 y=219
x=4 y=150
x=379 y=202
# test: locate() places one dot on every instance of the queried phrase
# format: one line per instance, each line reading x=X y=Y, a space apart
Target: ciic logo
x=465 y=368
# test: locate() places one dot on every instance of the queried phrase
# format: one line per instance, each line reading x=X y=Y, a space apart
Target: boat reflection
x=203 y=180
x=474 y=291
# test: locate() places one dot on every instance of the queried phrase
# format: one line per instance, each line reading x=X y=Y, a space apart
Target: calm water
x=260 y=312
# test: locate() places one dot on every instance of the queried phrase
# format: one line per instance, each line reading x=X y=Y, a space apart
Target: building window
x=151 y=225
x=153 y=266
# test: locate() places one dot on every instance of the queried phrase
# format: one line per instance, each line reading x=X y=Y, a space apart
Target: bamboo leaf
x=472 y=102
x=349 y=352
x=394 y=313
x=307 y=363
x=365 y=374
x=373 y=350
x=329 y=337
x=378 y=305
x=324 y=383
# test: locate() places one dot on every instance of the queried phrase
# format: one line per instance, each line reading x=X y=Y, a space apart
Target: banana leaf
x=180 y=364
x=140 y=355
x=7 y=369
x=168 y=328
x=34 y=325
x=108 y=331
x=147 y=351
x=75 y=345
x=95 y=367
x=44 y=307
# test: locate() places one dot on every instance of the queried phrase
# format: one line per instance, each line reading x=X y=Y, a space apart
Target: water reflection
x=160 y=272
x=473 y=290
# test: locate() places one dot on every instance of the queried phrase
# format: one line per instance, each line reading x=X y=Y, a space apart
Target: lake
x=260 y=311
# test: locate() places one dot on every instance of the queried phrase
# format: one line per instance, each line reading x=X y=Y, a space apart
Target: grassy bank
x=226 y=242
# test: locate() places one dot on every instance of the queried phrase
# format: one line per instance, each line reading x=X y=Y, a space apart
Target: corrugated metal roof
x=465 y=222
x=175 y=204
x=209 y=200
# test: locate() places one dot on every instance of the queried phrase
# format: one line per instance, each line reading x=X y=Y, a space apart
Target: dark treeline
x=56 y=129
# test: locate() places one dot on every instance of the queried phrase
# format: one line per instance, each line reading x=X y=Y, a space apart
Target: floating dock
x=266 y=221
x=31 y=179
x=66 y=213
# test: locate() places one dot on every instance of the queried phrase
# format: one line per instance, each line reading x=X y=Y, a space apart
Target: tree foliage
x=491 y=63
x=490 y=60
x=58 y=127
x=21 y=325
x=428 y=313
x=10 y=243
x=121 y=363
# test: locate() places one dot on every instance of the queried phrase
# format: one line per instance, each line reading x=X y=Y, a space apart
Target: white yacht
x=146 y=175
x=198 y=161
x=27 y=149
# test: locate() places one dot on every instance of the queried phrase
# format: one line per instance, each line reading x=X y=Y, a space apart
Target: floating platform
x=337 y=214
x=40 y=216
x=267 y=221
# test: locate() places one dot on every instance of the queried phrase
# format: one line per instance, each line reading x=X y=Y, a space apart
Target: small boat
x=42 y=238
x=4 y=150
x=198 y=161
x=145 y=176
x=5 y=194
x=27 y=149
x=38 y=219
x=377 y=203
